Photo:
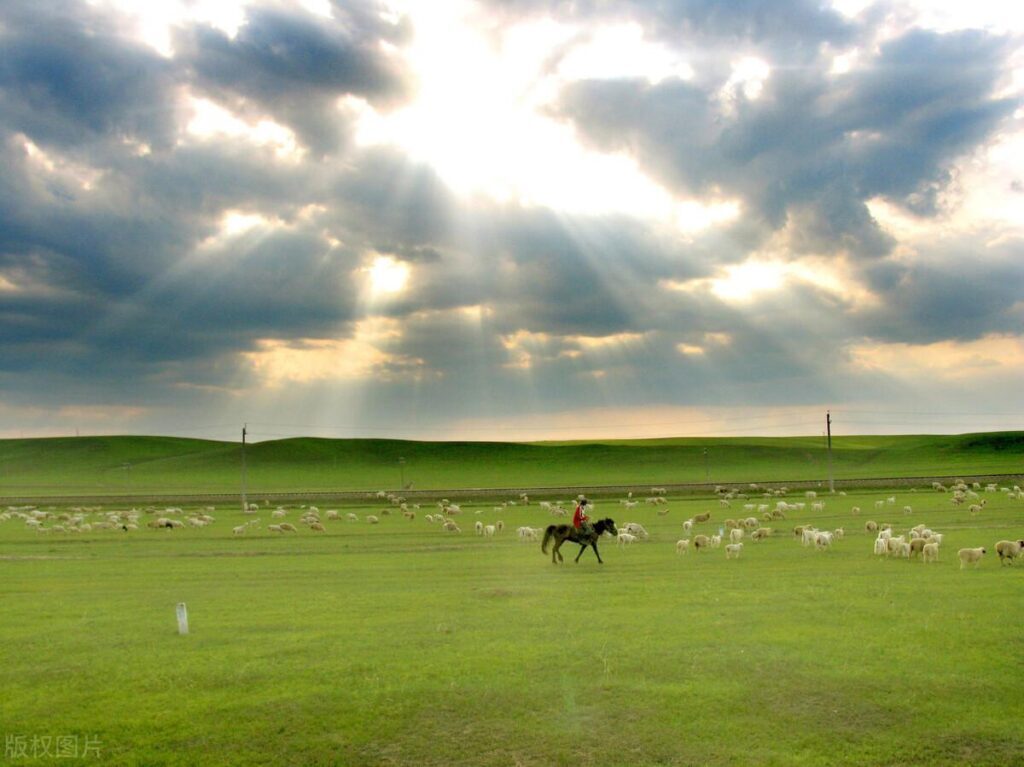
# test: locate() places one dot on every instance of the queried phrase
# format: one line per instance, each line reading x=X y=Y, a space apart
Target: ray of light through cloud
x=476 y=219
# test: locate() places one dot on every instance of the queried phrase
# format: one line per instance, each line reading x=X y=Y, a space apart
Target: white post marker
x=182 y=618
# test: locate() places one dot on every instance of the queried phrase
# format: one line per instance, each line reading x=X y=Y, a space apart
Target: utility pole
x=828 y=430
x=707 y=476
x=245 y=505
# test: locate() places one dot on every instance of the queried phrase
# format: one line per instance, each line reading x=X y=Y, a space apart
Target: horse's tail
x=548 y=534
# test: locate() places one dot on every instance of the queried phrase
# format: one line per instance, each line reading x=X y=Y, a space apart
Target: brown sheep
x=702 y=517
x=701 y=542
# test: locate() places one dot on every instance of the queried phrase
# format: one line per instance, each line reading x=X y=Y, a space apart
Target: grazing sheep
x=881 y=546
x=930 y=552
x=635 y=528
x=688 y=525
x=479 y=527
x=451 y=527
x=1009 y=551
x=970 y=556
x=682 y=546
x=751 y=523
x=625 y=538
x=318 y=527
x=855 y=510
x=917 y=545
x=701 y=542
x=351 y=517
x=732 y=550
x=839 y=533
x=489 y=531
x=908 y=510
x=499 y=525
x=761 y=533
x=729 y=524
x=275 y=528
x=870 y=526
x=822 y=540
x=372 y=519
x=526 y=534
x=702 y=517
x=736 y=535
x=288 y=528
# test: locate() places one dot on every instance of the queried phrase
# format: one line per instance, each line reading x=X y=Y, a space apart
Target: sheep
x=372 y=519
x=479 y=527
x=871 y=526
x=975 y=508
x=1009 y=551
x=451 y=527
x=822 y=541
x=275 y=528
x=318 y=527
x=855 y=510
x=499 y=525
x=688 y=525
x=810 y=536
x=930 y=552
x=489 y=531
x=917 y=545
x=908 y=510
x=761 y=533
x=881 y=546
x=970 y=556
x=288 y=528
x=526 y=534
x=701 y=542
x=278 y=513
x=732 y=550
x=729 y=524
x=716 y=541
x=736 y=535
x=625 y=538
x=351 y=517
x=331 y=513
x=682 y=546
x=702 y=517
x=635 y=528
x=750 y=523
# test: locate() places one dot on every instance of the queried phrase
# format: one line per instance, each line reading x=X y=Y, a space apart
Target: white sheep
x=451 y=527
x=881 y=546
x=635 y=528
x=930 y=552
x=732 y=550
x=970 y=556
x=351 y=517
x=479 y=527
x=908 y=510
x=688 y=525
x=373 y=520
x=682 y=546
x=736 y=535
x=822 y=540
x=625 y=538
x=716 y=541
x=489 y=531
x=1008 y=551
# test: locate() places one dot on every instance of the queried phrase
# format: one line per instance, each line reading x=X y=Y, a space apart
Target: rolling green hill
x=116 y=465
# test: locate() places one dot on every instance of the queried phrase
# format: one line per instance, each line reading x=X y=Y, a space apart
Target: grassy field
x=126 y=465
x=400 y=644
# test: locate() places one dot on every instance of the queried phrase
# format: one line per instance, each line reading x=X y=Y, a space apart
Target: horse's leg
x=556 y=553
x=599 y=560
x=583 y=547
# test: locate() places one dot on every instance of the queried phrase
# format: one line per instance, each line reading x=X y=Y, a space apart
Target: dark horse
x=563 y=533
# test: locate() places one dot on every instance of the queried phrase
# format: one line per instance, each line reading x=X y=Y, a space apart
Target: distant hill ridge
x=175 y=464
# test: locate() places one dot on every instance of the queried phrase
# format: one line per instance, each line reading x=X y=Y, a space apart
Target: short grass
x=127 y=465
x=399 y=644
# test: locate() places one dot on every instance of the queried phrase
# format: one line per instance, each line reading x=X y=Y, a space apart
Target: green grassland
x=127 y=465
x=399 y=644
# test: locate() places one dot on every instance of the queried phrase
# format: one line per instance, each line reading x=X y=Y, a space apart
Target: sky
x=510 y=219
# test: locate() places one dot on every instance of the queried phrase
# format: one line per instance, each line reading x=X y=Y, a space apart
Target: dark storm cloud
x=960 y=290
x=814 y=146
x=296 y=66
x=68 y=78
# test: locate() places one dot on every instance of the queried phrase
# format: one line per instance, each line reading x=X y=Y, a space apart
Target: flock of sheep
x=918 y=541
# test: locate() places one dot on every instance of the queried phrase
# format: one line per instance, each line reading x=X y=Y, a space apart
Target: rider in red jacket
x=580 y=520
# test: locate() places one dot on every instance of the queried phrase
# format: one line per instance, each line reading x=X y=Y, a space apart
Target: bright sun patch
x=387 y=275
